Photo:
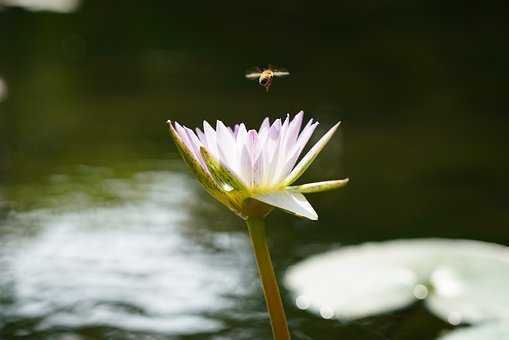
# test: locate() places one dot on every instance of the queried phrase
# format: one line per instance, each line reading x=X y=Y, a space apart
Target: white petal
x=293 y=130
x=279 y=155
x=246 y=167
x=263 y=135
x=252 y=143
x=226 y=146
x=270 y=151
x=258 y=169
x=210 y=136
x=251 y=151
x=263 y=132
x=241 y=136
x=306 y=161
x=201 y=136
x=183 y=135
x=186 y=139
x=265 y=125
x=284 y=132
x=292 y=202
x=295 y=150
x=189 y=158
x=290 y=132
x=305 y=135
x=286 y=122
x=196 y=144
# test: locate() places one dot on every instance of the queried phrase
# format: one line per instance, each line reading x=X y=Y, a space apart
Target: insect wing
x=253 y=76
x=280 y=72
x=253 y=73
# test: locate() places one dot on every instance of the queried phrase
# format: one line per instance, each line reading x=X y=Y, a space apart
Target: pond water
x=105 y=234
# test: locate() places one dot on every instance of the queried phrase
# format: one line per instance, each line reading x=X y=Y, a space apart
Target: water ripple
x=128 y=265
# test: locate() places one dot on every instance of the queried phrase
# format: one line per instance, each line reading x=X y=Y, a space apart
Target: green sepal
x=319 y=186
x=233 y=202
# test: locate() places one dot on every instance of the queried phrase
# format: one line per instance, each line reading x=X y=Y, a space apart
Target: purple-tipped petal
x=275 y=129
x=263 y=135
x=265 y=124
x=306 y=161
x=246 y=167
x=201 y=136
x=179 y=135
x=286 y=122
x=271 y=151
x=226 y=146
x=287 y=142
x=241 y=135
x=252 y=143
x=195 y=146
x=185 y=138
x=293 y=129
x=295 y=150
x=305 y=135
x=258 y=170
x=210 y=136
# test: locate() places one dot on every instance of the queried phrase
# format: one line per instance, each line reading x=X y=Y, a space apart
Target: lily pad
x=489 y=331
x=462 y=281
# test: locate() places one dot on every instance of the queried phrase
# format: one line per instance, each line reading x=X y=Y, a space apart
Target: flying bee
x=266 y=75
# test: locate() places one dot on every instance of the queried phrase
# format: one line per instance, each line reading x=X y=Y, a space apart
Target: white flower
x=252 y=171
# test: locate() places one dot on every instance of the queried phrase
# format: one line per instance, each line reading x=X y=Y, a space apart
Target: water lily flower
x=252 y=171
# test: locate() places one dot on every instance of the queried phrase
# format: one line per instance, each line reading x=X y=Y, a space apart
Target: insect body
x=265 y=76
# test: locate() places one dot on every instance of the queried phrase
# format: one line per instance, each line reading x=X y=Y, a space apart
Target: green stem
x=275 y=308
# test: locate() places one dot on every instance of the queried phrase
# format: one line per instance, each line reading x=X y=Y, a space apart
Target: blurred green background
x=85 y=91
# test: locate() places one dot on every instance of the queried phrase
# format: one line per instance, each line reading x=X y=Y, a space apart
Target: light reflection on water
x=129 y=265
x=60 y=6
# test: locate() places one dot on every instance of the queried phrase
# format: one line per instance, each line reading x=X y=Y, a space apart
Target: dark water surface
x=104 y=234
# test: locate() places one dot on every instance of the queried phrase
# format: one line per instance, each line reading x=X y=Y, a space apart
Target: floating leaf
x=471 y=285
x=462 y=281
